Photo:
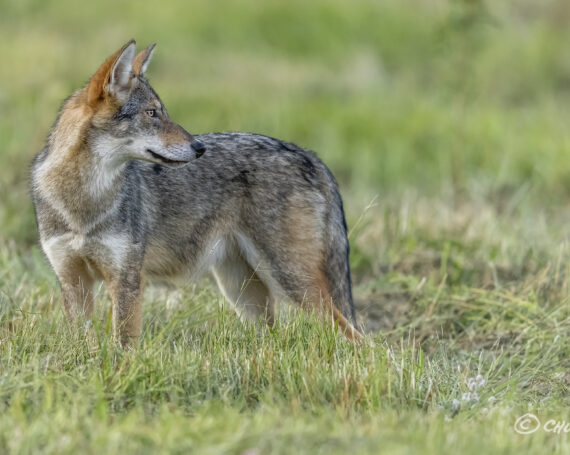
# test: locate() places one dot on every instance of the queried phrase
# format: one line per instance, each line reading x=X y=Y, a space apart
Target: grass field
x=447 y=126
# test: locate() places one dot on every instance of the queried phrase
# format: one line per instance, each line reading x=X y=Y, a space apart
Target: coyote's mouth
x=164 y=159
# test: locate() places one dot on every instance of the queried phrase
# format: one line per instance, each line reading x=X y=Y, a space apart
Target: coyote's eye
x=151 y=112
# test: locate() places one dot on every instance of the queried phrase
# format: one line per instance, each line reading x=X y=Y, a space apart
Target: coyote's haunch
x=121 y=192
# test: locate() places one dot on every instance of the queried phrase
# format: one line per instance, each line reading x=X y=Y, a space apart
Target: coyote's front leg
x=74 y=278
x=126 y=289
x=76 y=288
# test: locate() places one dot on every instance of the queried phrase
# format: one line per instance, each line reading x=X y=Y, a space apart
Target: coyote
x=121 y=193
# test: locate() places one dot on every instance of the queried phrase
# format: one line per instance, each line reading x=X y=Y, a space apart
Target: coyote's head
x=128 y=120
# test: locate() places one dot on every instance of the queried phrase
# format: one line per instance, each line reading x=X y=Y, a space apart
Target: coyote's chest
x=78 y=197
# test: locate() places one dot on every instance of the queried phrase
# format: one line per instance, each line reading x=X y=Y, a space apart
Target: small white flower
x=456 y=404
x=466 y=396
x=491 y=399
x=474 y=396
x=480 y=380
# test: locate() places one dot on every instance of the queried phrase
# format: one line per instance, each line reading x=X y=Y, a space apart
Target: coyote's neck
x=78 y=183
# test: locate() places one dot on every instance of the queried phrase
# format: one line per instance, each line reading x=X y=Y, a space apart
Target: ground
x=446 y=125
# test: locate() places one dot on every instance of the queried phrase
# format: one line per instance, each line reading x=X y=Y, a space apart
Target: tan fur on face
x=172 y=135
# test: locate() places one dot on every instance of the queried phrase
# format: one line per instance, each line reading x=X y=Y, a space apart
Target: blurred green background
x=451 y=99
x=446 y=123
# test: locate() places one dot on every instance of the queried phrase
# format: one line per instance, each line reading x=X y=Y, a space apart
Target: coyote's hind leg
x=242 y=286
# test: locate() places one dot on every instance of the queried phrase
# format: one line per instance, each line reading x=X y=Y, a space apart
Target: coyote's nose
x=199 y=148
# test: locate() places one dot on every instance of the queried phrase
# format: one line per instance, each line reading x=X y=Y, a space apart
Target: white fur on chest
x=96 y=180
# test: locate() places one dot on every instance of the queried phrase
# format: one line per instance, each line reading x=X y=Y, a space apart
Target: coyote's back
x=119 y=195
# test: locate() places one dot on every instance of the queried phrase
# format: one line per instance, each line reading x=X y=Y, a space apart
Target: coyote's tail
x=337 y=268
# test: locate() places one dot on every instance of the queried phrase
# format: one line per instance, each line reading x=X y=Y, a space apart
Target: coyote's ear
x=114 y=76
x=141 y=61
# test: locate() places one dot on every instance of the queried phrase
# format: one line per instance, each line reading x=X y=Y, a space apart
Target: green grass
x=446 y=124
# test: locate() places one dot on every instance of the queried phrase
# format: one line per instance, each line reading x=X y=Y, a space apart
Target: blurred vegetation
x=445 y=97
x=446 y=123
